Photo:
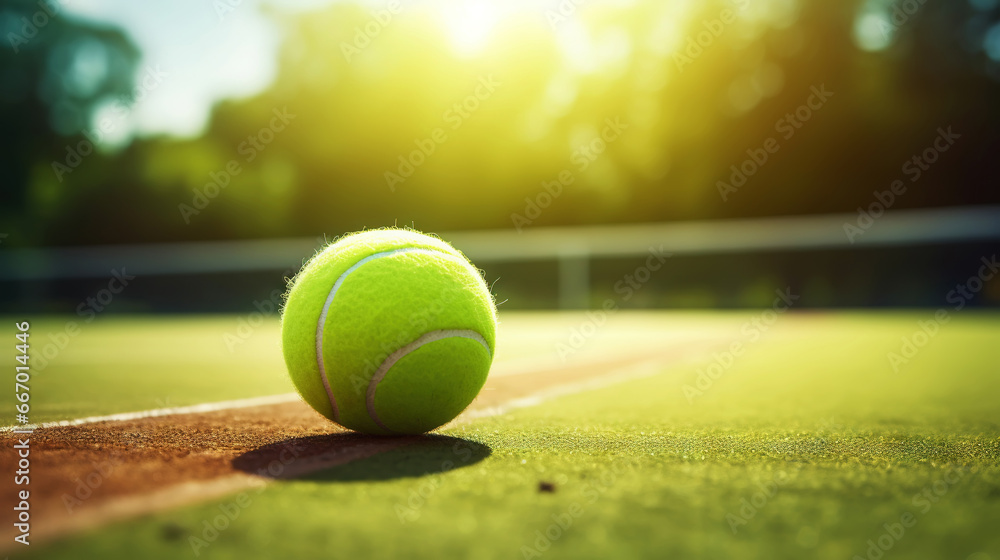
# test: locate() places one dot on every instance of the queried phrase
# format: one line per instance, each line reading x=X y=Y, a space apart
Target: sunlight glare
x=469 y=25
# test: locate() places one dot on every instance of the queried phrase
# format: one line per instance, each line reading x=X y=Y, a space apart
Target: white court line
x=191 y=492
x=641 y=370
x=636 y=371
x=155 y=413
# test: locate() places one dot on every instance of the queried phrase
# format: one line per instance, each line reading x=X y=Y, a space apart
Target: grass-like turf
x=124 y=364
x=809 y=445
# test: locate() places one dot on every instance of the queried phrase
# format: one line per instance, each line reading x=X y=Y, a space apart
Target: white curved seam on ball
x=321 y=324
x=391 y=360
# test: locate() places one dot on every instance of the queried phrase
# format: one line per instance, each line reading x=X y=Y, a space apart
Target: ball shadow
x=355 y=457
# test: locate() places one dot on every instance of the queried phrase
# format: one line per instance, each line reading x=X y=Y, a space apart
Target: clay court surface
x=612 y=421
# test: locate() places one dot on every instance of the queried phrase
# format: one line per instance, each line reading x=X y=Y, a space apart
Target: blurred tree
x=55 y=71
x=390 y=118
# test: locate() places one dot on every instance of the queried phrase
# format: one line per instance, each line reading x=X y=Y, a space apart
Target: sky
x=206 y=51
x=210 y=50
x=223 y=49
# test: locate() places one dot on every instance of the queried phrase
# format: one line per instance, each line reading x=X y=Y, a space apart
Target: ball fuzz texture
x=389 y=332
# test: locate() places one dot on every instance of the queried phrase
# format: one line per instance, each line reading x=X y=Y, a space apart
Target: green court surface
x=809 y=444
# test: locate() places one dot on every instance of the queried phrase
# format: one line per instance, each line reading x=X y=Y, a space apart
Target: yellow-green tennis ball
x=389 y=332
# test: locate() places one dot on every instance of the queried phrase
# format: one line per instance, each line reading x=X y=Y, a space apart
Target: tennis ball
x=388 y=331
